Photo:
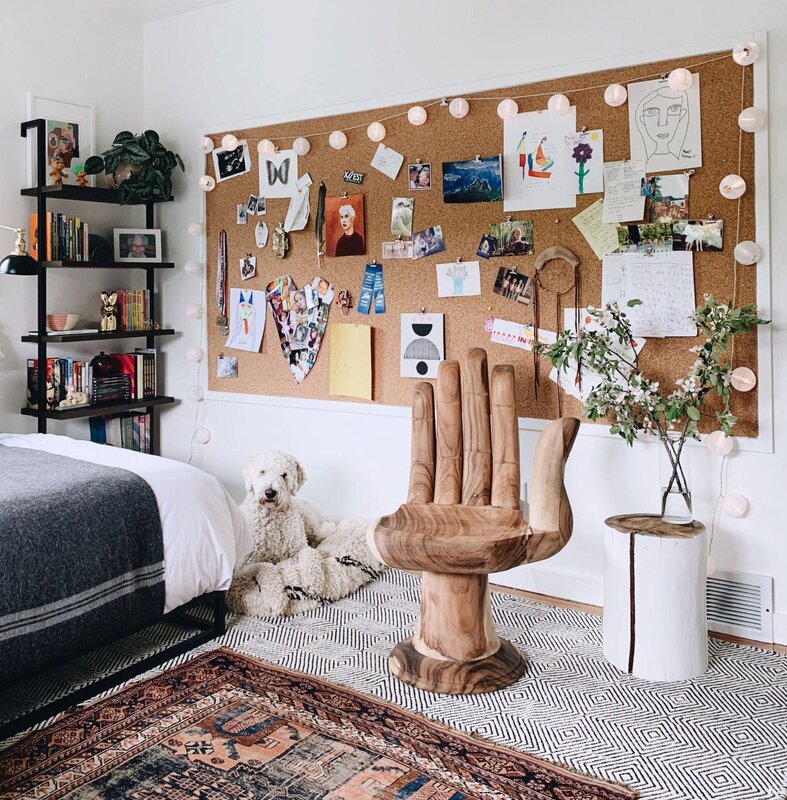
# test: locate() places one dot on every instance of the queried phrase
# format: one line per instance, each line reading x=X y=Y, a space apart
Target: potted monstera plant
x=140 y=166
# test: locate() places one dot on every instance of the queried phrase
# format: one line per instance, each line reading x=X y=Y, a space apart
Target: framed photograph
x=231 y=163
x=69 y=137
x=135 y=245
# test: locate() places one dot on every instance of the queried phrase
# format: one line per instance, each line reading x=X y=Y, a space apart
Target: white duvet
x=205 y=534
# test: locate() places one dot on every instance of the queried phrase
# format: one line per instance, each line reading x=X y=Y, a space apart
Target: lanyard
x=221 y=285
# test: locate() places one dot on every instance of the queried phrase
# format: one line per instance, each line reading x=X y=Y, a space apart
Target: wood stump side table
x=655 y=624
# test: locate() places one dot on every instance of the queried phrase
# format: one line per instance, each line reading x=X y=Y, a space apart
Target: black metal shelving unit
x=44 y=194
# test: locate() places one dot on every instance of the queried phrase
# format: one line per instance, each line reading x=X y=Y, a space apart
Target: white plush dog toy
x=299 y=560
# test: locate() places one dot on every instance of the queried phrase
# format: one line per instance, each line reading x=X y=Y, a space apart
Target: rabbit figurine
x=109 y=312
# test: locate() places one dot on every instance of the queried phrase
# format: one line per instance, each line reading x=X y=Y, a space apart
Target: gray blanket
x=81 y=558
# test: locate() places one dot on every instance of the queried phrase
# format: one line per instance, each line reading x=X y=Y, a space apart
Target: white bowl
x=61 y=321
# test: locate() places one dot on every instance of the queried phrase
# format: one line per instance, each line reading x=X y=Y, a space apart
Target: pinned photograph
x=428 y=242
x=458 y=279
x=666 y=197
x=422 y=345
x=655 y=238
x=226 y=367
x=664 y=125
x=699 y=235
x=402 y=248
x=419 y=176
x=279 y=174
x=513 y=286
x=231 y=163
x=344 y=226
x=513 y=238
x=137 y=244
x=402 y=216
x=477 y=181
x=248 y=267
x=261 y=207
x=486 y=247
x=251 y=205
x=387 y=161
x=240 y=214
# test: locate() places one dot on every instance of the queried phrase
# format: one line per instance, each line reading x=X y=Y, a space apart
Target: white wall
x=250 y=60
x=89 y=55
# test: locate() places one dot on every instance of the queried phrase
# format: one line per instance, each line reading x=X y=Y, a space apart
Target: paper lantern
x=195 y=228
x=337 y=140
x=195 y=393
x=206 y=145
x=680 y=80
x=301 y=146
x=735 y=505
x=745 y=53
x=732 y=186
x=416 y=115
x=266 y=147
x=195 y=354
x=507 y=109
x=559 y=105
x=711 y=565
x=192 y=267
x=194 y=312
x=458 y=107
x=201 y=436
x=207 y=183
x=743 y=379
x=229 y=141
x=753 y=119
x=719 y=443
x=615 y=95
x=376 y=131
x=747 y=252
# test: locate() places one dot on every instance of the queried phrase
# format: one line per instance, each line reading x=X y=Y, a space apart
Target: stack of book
x=133 y=309
x=128 y=430
x=60 y=374
x=66 y=237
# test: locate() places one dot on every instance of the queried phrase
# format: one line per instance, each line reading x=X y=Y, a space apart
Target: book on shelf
x=72 y=332
x=133 y=309
x=128 y=429
x=66 y=237
x=61 y=373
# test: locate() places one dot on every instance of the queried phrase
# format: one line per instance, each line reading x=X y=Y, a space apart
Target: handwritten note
x=350 y=361
x=514 y=334
x=623 y=200
x=664 y=282
x=601 y=236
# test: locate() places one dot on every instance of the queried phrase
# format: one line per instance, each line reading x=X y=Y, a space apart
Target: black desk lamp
x=18 y=262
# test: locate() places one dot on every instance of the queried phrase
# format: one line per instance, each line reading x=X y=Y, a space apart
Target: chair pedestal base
x=487 y=674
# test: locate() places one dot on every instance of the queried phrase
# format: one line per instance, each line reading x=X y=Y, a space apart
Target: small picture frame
x=137 y=245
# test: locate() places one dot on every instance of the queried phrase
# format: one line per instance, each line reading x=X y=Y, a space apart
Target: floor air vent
x=741 y=604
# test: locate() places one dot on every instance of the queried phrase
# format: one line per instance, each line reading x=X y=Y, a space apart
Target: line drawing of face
x=659 y=117
x=347 y=219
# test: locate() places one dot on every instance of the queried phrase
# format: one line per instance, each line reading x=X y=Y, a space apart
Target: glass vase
x=675 y=477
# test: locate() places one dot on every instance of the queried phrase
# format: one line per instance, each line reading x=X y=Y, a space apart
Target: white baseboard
x=572 y=586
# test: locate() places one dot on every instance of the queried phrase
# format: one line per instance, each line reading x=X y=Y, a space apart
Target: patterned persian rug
x=227 y=727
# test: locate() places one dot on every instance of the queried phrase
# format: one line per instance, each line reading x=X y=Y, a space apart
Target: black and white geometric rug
x=719 y=737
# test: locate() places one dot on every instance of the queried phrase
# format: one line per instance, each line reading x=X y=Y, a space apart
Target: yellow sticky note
x=350 y=361
x=601 y=236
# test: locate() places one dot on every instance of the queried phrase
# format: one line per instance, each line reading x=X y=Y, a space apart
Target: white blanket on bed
x=205 y=534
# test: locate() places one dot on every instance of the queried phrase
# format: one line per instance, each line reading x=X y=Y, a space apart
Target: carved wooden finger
x=476 y=433
x=448 y=403
x=422 y=456
x=505 y=438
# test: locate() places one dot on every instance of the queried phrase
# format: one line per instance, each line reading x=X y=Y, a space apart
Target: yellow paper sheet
x=350 y=361
x=601 y=236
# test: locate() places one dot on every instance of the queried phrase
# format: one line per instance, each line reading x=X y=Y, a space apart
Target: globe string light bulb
x=229 y=141
x=680 y=80
x=337 y=140
x=507 y=109
x=192 y=267
x=745 y=53
x=743 y=379
x=752 y=120
x=207 y=183
x=719 y=443
x=376 y=131
x=735 y=505
x=458 y=107
x=416 y=115
x=301 y=146
x=195 y=354
x=559 y=105
x=201 y=436
x=194 y=312
x=195 y=393
x=747 y=252
x=195 y=228
x=732 y=186
x=615 y=95
x=206 y=145
x=266 y=147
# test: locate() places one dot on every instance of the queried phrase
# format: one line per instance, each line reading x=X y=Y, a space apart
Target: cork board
x=411 y=285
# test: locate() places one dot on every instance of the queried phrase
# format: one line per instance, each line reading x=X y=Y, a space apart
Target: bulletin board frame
x=763 y=441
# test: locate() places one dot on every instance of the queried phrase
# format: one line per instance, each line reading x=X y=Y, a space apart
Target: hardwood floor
x=597 y=611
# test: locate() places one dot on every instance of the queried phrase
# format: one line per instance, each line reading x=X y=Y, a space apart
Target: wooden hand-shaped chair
x=462 y=521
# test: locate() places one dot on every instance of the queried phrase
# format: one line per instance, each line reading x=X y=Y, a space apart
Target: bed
x=97 y=541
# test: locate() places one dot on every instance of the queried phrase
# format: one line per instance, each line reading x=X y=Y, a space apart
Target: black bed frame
x=205 y=631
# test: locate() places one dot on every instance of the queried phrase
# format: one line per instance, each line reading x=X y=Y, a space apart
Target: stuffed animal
x=57 y=172
x=299 y=559
x=73 y=398
x=109 y=312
